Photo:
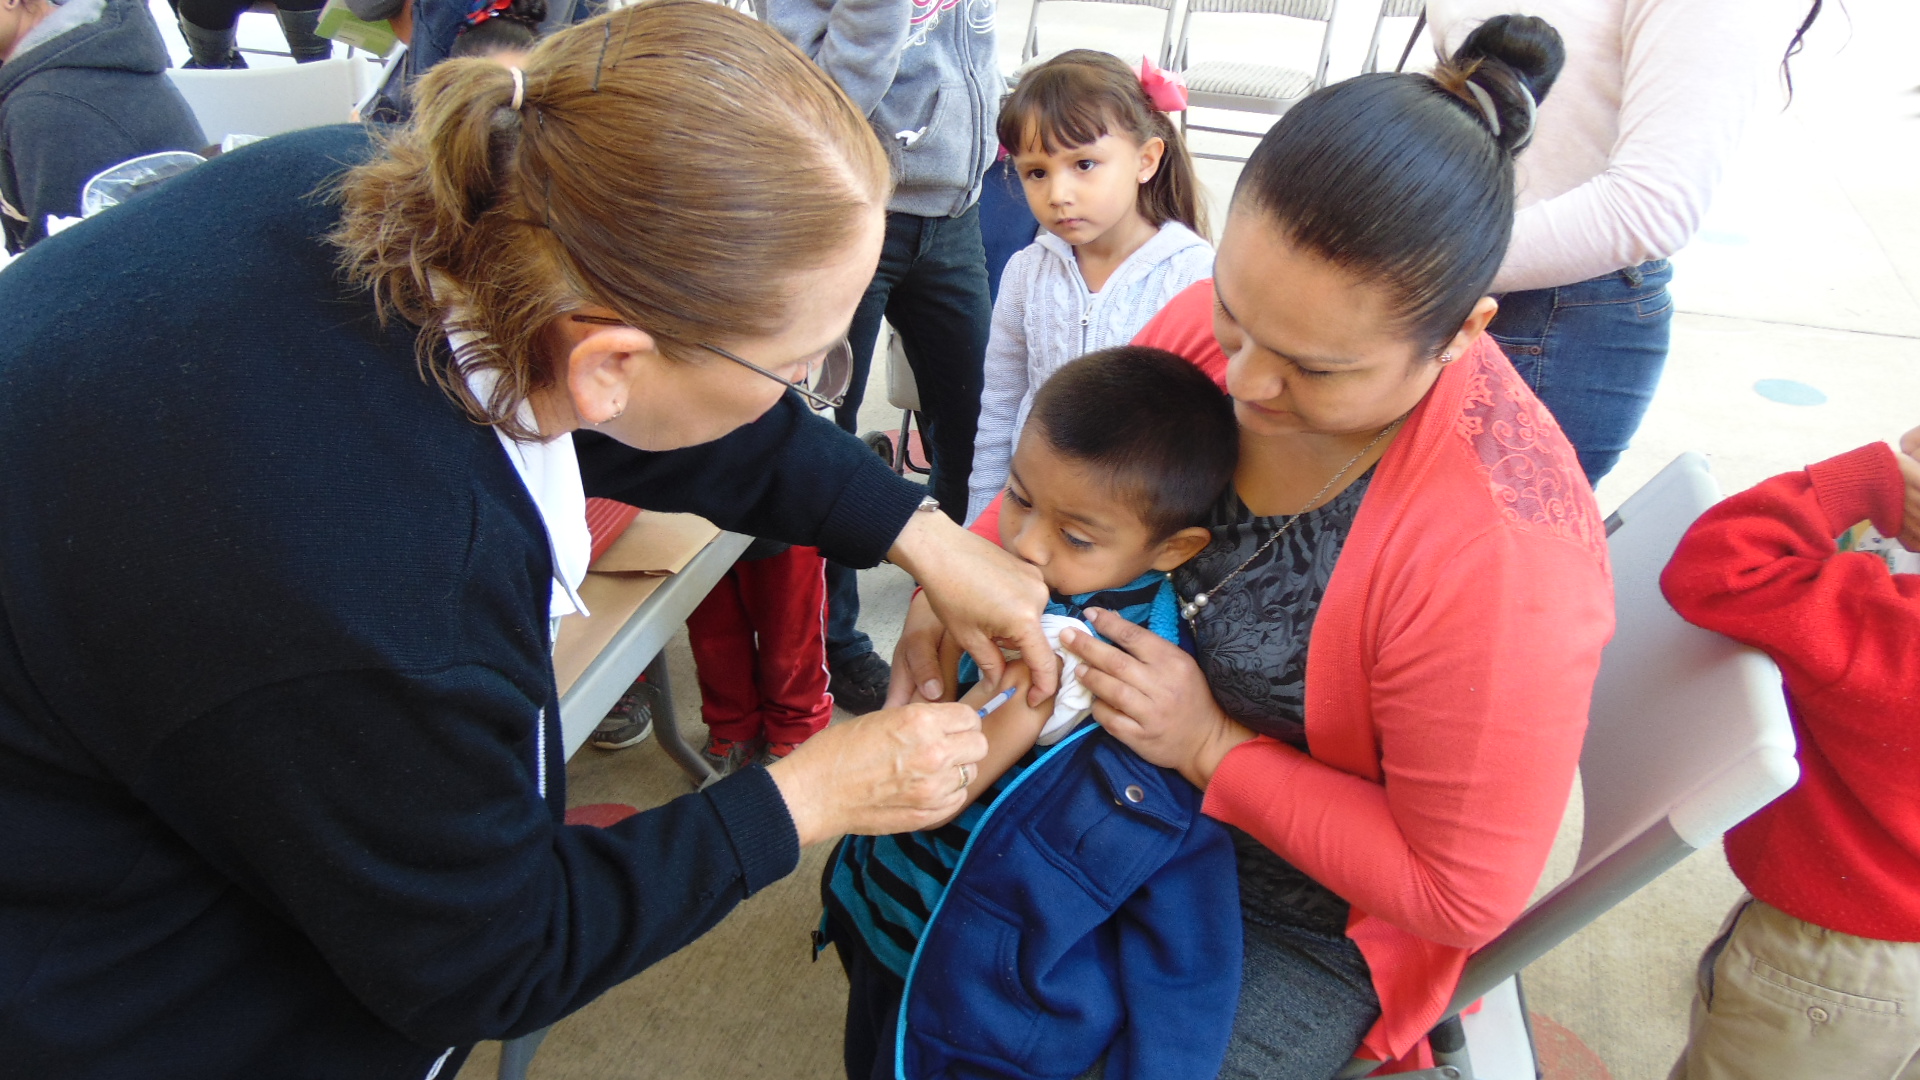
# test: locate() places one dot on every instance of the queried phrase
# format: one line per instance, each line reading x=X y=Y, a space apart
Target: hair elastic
x=1486 y=106
x=1533 y=110
x=519 y=88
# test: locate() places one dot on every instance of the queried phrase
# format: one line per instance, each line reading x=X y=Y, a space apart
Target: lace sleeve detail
x=1528 y=465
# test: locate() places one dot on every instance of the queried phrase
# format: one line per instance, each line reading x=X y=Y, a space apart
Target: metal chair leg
x=666 y=728
x=516 y=1055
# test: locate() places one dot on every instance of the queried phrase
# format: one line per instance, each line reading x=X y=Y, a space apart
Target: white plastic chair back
x=269 y=100
x=1688 y=726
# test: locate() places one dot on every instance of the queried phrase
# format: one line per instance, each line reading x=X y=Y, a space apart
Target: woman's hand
x=919 y=673
x=897 y=770
x=1151 y=695
x=985 y=597
x=1909 y=459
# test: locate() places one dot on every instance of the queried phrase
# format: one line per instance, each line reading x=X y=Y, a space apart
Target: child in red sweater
x=1817 y=973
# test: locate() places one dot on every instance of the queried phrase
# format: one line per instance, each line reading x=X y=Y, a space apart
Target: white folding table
x=639 y=646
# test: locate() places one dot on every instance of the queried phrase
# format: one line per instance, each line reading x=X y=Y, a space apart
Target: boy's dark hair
x=1156 y=423
x=1080 y=95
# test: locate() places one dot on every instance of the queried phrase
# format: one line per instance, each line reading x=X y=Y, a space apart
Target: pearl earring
x=1446 y=358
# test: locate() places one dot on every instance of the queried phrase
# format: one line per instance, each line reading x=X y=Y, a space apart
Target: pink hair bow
x=1167 y=90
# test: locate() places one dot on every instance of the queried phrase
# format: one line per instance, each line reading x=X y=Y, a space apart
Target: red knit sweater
x=1842 y=849
x=1448 y=680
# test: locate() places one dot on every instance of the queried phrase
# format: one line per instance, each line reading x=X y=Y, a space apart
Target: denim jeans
x=1593 y=352
x=1007 y=224
x=932 y=286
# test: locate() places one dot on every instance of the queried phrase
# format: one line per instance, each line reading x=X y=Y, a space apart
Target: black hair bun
x=1509 y=53
x=531 y=13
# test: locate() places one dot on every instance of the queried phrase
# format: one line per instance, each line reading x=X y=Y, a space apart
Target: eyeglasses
x=830 y=382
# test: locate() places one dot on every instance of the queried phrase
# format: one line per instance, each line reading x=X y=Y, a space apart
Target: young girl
x=1111 y=183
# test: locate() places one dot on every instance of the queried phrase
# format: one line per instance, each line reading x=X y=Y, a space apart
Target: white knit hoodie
x=1046 y=316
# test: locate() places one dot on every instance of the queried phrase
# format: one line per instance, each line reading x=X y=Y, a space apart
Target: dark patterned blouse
x=1252 y=639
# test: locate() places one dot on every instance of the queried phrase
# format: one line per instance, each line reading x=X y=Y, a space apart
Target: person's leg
x=943 y=314
x=208 y=27
x=1593 y=351
x=1007 y=223
x=785 y=599
x=860 y=677
x=1782 y=999
x=873 y=1006
x=723 y=660
x=298 y=21
x=1306 y=1001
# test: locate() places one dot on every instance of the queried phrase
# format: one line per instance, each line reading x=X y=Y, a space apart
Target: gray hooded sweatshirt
x=85 y=90
x=925 y=73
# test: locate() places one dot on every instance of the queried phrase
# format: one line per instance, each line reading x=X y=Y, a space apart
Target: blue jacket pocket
x=1094 y=913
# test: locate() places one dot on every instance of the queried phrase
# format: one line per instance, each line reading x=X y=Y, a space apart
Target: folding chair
x=1688 y=737
x=903 y=448
x=270 y=100
x=1243 y=87
x=1032 y=47
x=1392 y=9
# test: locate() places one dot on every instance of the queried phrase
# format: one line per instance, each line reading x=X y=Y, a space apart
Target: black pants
x=873 y=1006
x=932 y=286
x=222 y=14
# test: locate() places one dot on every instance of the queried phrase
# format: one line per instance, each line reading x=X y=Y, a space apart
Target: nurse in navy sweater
x=285 y=518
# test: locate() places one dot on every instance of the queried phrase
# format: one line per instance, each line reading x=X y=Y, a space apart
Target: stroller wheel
x=880 y=443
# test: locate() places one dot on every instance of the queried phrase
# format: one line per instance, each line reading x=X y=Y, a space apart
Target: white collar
x=551 y=474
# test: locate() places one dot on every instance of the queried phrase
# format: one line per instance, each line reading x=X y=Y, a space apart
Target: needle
x=998 y=700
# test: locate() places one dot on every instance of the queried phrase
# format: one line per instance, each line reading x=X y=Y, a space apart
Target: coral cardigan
x=1448 y=681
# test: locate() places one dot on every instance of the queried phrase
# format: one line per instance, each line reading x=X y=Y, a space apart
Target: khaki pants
x=1782 y=999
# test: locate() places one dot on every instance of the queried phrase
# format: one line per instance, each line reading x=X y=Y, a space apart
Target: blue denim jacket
x=1094 y=911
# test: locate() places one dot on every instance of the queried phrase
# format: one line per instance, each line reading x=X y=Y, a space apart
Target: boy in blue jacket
x=1080 y=909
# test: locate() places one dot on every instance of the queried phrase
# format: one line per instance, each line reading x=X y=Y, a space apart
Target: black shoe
x=211 y=49
x=859 y=683
x=631 y=719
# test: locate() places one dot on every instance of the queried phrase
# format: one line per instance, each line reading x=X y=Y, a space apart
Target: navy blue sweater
x=279 y=757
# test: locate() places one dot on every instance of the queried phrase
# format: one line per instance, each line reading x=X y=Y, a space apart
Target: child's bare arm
x=1010 y=729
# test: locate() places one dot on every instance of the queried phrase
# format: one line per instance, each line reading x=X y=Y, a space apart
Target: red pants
x=760 y=649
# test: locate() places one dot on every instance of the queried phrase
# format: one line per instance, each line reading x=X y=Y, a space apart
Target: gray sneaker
x=631 y=719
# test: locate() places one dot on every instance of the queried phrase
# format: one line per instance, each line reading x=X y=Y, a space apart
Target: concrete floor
x=1807 y=270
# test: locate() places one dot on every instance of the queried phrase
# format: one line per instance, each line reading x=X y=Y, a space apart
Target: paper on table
x=656 y=544
x=619 y=581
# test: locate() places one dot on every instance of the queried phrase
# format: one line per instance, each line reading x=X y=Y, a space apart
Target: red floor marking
x=1562 y=1055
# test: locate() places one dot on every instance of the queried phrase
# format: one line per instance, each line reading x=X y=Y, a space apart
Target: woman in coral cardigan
x=1402 y=611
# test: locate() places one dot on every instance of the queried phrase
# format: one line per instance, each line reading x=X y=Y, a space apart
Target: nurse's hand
x=897 y=770
x=986 y=599
x=919 y=673
x=1152 y=696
